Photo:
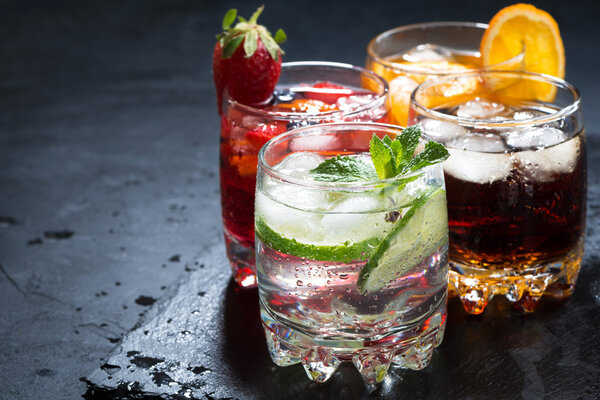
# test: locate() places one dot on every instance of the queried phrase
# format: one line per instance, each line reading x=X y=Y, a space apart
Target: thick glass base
x=241 y=259
x=410 y=348
x=522 y=287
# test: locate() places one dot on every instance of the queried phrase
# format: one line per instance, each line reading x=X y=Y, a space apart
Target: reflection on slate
x=204 y=341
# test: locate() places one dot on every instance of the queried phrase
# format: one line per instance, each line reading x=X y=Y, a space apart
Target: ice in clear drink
x=516 y=181
x=348 y=270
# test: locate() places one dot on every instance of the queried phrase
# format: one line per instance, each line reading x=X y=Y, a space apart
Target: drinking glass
x=516 y=181
x=348 y=271
x=245 y=129
x=411 y=54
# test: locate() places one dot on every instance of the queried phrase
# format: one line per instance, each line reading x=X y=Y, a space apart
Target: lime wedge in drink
x=421 y=231
x=343 y=252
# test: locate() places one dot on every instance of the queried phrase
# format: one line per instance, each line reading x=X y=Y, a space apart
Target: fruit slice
x=525 y=28
x=345 y=252
x=327 y=92
x=421 y=230
x=403 y=84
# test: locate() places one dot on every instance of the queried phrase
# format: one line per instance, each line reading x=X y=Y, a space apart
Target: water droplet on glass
x=299 y=283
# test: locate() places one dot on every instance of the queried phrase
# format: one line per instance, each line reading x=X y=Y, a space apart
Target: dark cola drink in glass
x=516 y=183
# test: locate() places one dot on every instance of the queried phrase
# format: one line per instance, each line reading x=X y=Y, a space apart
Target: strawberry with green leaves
x=246 y=60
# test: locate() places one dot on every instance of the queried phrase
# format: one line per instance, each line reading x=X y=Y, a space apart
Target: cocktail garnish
x=390 y=157
x=343 y=169
x=246 y=60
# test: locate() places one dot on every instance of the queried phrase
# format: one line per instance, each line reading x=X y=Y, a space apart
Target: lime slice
x=344 y=252
x=421 y=230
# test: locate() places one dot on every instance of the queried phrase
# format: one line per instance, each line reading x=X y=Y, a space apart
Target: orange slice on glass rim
x=523 y=28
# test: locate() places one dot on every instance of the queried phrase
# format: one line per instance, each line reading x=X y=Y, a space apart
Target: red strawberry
x=246 y=60
x=327 y=92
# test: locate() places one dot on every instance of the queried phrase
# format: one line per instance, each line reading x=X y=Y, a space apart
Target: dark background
x=109 y=130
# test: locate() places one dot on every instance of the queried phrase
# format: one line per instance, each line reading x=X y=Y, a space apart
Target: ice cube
x=400 y=89
x=428 y=52
x=354 y=218
x=534 y=137
x=478 y=167
x=251 y=122
x=442 y=131
x=313 y=142
x=351 y=102
x=528 y=114
x=484 y=142
x=542 y=165
x=287 y=221
x=299 y=164
x=480 y=108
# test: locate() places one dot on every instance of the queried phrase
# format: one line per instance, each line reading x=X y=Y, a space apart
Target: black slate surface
x=109 y=207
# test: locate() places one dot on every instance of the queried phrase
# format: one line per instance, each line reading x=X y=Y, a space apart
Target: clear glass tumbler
x=411 y=54
x=307 y=93
x=348 y=271
x=516 y=180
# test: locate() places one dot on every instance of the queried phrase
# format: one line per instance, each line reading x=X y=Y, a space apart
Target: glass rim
x=377 y=101
x=428 y=25
x=334 y=186
x=472 y=122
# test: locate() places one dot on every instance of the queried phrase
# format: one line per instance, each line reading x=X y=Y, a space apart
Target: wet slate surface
x=110 y=226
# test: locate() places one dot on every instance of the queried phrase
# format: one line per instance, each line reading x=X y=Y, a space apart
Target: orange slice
x=523 y=28
x=409 y=74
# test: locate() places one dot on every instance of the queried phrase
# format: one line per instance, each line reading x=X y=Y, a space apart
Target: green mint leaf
x=250 y=44
x=343 y=169
x=409 y=140
x=383 y=157
x=433 y=153
x=280 y=36
x=232 y=46
x=229 y=18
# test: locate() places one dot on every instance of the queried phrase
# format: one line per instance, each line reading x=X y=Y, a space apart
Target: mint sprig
x=396 y=157
x=390 y=157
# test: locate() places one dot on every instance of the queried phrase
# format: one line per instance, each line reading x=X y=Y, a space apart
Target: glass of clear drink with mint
x=351 y=248
x=516 y=180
